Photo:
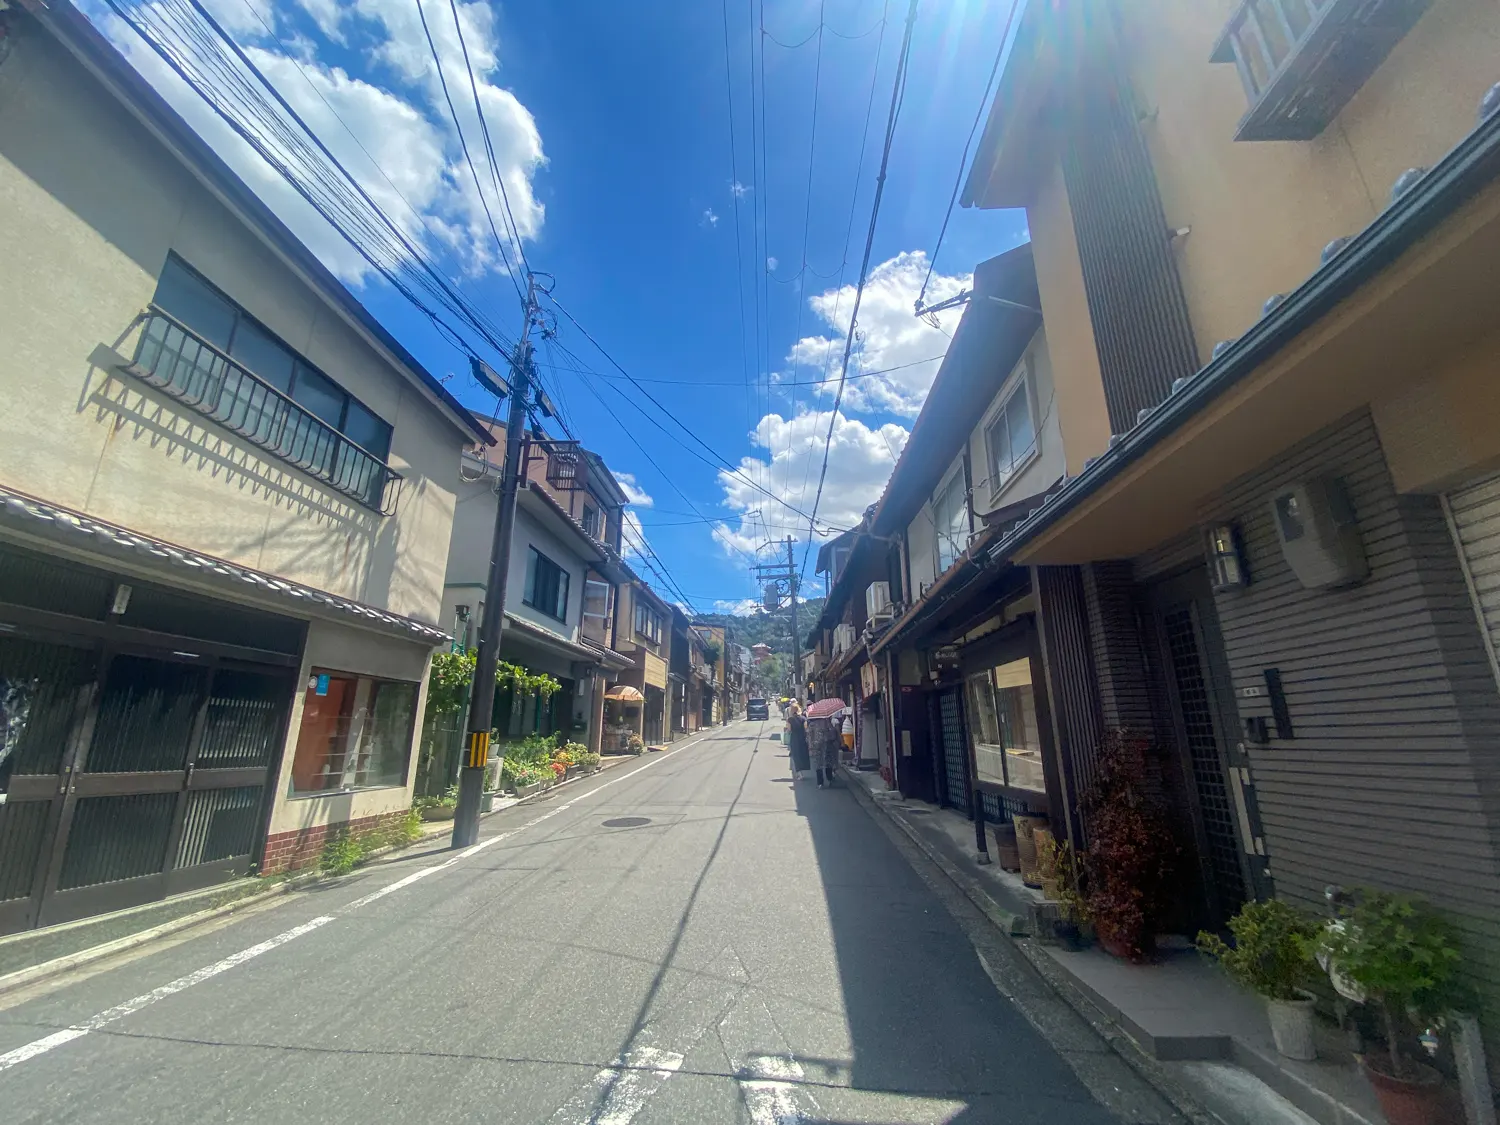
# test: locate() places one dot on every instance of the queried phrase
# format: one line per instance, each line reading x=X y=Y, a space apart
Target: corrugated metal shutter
x=1474 y=516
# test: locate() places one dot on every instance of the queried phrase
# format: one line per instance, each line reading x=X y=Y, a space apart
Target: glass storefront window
x=356 y=733
x=1003 y=721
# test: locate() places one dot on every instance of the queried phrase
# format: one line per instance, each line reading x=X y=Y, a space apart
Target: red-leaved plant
x=1130 y=847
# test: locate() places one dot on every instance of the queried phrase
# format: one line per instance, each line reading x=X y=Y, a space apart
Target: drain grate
x=627 y=822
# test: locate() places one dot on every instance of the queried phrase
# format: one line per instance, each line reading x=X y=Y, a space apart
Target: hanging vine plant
x=523 y=682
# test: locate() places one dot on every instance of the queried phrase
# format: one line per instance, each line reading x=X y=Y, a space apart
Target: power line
x=437 y=63
x=898 y=90
x=735 y=192
x=722 y=461
x=963 y=160
x=727 y=383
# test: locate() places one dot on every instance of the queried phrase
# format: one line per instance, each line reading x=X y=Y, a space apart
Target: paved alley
x=690 y=939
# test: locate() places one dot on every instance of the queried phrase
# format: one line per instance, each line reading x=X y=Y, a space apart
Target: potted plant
x=1272 y=955
x=438 y=808
x=1404 y=957
x=636 y=745
x=1131 y=851
x=1074 y=927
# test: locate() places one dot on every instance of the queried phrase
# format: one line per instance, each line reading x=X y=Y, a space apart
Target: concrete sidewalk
x=1188 y=1027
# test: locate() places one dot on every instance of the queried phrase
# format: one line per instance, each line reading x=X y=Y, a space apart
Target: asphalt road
x=686 y=939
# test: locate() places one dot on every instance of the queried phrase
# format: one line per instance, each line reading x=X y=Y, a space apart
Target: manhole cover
x=627 y=822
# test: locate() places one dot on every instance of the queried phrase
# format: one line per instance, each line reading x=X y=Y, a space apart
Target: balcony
x=171 y=358
x=1300 y=61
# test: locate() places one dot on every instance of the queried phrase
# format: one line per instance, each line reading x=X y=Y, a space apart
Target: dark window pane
x=184 y=295
x=116 y=838
x=39 y=685
x=366 y=430
x=46 y=582
x=218 y=824
x=145 y=717
x=243 y=721
x=319 y=394
x=263 y=354
x=386 y=745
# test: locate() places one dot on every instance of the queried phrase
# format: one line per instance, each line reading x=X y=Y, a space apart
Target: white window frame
x=954 y=480
x=1022 y=384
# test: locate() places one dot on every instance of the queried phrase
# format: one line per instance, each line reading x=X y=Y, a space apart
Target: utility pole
x=773 y=575
x=482 y=690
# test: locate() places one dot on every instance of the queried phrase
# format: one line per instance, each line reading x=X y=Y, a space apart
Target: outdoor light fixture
x=1226 y=558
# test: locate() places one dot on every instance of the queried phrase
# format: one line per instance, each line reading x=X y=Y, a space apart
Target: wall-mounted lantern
x=1226 y=558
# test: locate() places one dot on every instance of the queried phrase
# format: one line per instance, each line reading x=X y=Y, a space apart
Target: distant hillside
x=761 y=627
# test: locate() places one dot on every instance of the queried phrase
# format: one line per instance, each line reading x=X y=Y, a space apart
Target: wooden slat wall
x=1124 y=698
x=1390 y=778
x=1072 y=696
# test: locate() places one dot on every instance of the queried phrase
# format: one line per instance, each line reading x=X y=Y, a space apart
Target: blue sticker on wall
x=322 y=688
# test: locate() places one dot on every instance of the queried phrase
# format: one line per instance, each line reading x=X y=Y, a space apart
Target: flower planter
x=527 y=790
x=1292 y=1027
x=438 y=812
x=1417 y=1100
x=487 y=801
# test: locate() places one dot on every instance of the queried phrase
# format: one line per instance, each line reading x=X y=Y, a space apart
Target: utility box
x=1319 y=534
x=878 y=602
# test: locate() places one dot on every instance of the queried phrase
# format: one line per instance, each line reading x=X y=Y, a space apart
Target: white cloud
x=743 y=607
x=739 y=190
x=859 y=463
x=632 y=536
x=889 y=335
x=404 y=125
x=709 y=218
x=772 y=263
x=634 y=493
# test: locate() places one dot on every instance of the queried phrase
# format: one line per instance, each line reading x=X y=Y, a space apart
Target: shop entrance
x=131 y=769
x=1202 y=725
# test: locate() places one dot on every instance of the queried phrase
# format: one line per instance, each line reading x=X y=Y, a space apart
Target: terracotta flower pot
x=1419 y=1099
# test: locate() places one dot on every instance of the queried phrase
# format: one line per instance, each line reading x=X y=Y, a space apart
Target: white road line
x=630 y=1083
x=146 y=999
x=119 y=1011
x=768 y=1086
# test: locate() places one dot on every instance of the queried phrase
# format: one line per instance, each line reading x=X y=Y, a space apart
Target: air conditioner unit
x=843 y=639
x=878 y=605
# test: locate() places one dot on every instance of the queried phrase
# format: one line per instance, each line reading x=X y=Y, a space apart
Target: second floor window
x=598 y=601
x=950 y=514
x=592 y=523
x=546 y=586
x=203 y=310
x=647 y=623
x=1010 y=438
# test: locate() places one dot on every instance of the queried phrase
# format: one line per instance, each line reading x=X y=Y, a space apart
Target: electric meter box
x=1319 y=534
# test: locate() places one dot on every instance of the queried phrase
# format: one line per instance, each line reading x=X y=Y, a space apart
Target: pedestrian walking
x=797 y=740
x=823 y=748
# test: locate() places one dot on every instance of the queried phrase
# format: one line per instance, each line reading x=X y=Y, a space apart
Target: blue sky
x=611 y=127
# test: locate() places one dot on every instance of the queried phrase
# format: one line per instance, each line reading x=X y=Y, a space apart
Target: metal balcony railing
x=1300 y=61
x=170 y=357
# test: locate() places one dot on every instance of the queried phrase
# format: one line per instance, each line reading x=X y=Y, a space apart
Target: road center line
x=47 y=1043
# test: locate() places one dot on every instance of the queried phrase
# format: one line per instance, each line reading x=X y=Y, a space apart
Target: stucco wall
x=342 y=649
x=1050 y=461
x=1260 y=212
x=90 y=205
x=1073 y=356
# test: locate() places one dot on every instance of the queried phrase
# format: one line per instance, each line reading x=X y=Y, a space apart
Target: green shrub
x=342 y=853
x=1272 y=951
x=346 y=850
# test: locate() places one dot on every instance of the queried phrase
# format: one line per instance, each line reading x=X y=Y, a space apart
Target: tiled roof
x=64 y=525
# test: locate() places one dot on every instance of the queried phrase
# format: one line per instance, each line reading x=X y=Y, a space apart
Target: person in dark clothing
x=797 y=740
x=823 y=743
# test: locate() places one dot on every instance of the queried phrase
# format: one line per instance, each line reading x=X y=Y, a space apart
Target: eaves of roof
x=1469 y=167
x=58 y=524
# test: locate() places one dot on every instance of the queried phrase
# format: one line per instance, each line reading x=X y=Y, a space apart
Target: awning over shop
x=624 y=693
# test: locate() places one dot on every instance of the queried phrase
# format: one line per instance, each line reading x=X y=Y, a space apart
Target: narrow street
x=687 y=939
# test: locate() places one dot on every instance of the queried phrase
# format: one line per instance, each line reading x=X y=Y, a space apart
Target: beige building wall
x=1049 y=463
x=347 y=650
x=1073 y=355
x=1260 y=212
x=90 y=205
